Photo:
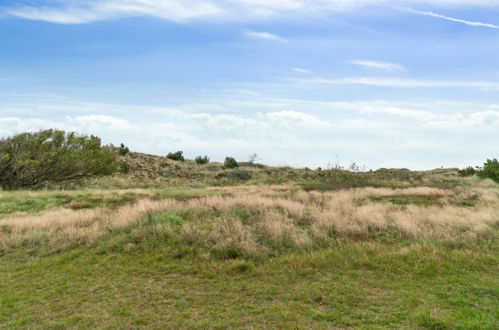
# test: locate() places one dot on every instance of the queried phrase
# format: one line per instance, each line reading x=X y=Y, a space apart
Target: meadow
x=179 y=245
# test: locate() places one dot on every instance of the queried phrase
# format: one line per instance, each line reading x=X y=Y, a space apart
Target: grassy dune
x=412 y=250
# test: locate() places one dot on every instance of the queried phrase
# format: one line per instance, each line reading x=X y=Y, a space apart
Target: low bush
x=202 y=160
x=230 y=162
x=32 y=159
x=490 y=170
x=124 y=167
x=123 y=150
x=468 y=171
x=178 y=156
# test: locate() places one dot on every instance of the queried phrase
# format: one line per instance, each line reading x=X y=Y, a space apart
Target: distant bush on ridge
x=123 y=150
x=230 y=162
x=202 y=160
x=489 y=170
x=469 y=171
x=178 y=156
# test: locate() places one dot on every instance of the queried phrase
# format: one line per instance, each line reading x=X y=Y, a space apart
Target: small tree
x=230 y=162
x=123 y=150
x=178 y=156
x=202 y=160
x=30 y=159
x=490 y=170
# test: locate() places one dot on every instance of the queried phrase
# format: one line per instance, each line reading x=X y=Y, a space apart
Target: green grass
x=38 y=201
x=151 y=276
x=35 y=202
x=354 y=284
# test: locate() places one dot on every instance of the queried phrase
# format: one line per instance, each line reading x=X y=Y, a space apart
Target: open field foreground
x=252 y=256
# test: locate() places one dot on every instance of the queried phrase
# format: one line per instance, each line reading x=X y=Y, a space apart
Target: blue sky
x=302 y=83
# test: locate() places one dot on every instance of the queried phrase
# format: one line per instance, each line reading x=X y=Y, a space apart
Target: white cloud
x=311 y=134
x=96 y=123
x=397 y=111
x=387 y=66
x=84 y=11
x=452 y=19
x=405 y=83
x=294 y=119
x=263 y=35
x=301 y=70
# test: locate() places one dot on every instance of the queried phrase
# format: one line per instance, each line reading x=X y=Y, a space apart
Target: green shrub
x=230 y=162
x=468 y=171
x=124 y=167
x=123 y=150
x=32 y=159
x=178 y=156
x=202 y=160
x=490 y=170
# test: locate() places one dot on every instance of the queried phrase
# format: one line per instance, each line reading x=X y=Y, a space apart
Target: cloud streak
x=301 y=70
x=386 y=66
x=405 y=83
x=86 y=11
x=263 y=36
x=452 y=19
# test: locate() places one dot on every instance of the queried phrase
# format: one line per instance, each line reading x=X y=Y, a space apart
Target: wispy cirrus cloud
x=379 y=65
x=86 y=11
x=452 y=19
x=405 y=83
x=263 y=35
x=301 y=70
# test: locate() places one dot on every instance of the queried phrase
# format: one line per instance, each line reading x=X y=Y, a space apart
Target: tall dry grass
x=277 y=220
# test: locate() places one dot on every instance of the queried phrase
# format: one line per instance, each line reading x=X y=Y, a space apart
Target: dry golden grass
x=278 y=220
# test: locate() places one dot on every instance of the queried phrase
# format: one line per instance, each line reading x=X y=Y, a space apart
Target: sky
x=382 y=83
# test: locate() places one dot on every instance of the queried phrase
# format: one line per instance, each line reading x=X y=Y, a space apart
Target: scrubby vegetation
x=178 y=156
x=123 y=150
x=230 y=162
x=172 y=244
x=237 y=256
x=489 y=170
x=32 y=159
x=202 y=160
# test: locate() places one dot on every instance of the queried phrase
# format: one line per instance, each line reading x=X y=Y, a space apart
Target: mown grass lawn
x=369 y=284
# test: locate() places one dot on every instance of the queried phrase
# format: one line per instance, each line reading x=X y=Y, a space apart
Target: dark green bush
x=178 y=156
x=32 y=159
x=490 y=170
x=202 y=160
x=468 y=171
x=230 y=162
x=124 y=167
x=123 y=150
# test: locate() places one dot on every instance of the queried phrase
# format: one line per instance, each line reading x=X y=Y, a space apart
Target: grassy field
x=280 y=248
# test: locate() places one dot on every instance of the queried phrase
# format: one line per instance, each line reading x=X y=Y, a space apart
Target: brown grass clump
x=255 y=220
x=65 y=227
x=231 y=238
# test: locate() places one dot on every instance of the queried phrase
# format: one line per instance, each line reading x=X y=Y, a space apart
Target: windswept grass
x=252 y=256
x=259 y=221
